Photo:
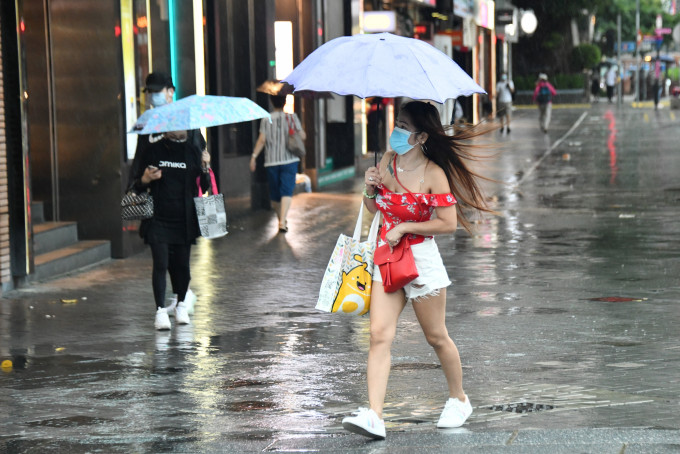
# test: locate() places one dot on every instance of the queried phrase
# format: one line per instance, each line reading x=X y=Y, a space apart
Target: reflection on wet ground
x=564 y=309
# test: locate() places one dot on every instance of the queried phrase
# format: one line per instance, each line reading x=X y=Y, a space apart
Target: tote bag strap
x=373 y=232
x=213 y=184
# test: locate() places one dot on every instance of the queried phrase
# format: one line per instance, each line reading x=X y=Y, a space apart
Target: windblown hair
x=450 y=152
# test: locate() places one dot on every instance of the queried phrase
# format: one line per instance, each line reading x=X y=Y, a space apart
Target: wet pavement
x=565 y=309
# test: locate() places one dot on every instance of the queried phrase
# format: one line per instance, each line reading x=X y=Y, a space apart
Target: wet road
x=564 y=308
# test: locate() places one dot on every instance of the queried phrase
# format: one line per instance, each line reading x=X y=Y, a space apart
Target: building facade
x=71 y=88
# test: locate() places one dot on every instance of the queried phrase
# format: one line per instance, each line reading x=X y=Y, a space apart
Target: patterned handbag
x=136 y=207
x=347 y=282
x=212 y=217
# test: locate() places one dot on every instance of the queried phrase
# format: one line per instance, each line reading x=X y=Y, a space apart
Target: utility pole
x=619 y=97
x=638 y=41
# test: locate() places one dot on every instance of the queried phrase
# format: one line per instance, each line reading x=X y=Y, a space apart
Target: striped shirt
x=276 y=135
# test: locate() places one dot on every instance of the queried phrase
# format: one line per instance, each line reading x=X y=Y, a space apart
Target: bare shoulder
x=436 y=178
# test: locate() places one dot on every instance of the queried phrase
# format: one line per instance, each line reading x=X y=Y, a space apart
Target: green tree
x=585 y=56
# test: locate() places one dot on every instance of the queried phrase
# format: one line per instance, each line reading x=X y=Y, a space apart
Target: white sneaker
x=366 y=423
x=189 y=299
x=170 y=308
x=455 y=413
x=162 y=319
x=181 y=315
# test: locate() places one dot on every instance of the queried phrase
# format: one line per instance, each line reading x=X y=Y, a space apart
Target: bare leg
x=431 y=313
x=276 y=206
x=385 y=310
x=283 y=214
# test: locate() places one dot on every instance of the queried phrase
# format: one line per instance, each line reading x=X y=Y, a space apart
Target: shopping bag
x=212 y=217
x=347 y=282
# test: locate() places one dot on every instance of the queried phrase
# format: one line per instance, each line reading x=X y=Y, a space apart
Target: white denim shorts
x=432 y=274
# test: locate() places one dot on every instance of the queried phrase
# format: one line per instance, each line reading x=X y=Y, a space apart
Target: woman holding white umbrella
x=416 y=187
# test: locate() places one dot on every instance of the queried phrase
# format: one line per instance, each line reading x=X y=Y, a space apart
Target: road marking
x=646 y=117
x=672 y=115
x=549 y=150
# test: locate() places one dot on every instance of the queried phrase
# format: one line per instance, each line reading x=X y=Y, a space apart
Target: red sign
x=456 y=36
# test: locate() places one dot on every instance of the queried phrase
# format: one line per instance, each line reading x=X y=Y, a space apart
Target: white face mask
x=158 y=99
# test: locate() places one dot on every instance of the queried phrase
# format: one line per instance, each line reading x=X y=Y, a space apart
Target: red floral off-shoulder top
x=408 y=207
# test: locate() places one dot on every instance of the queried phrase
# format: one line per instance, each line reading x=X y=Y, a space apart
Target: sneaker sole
x=361 y=431
x=449 y=426
x=163 y=328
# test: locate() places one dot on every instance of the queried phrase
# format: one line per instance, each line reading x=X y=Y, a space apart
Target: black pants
x=173 y=258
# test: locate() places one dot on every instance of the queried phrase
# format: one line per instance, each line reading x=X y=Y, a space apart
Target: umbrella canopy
x=194 y=112
x=384 y=65
x=278 y=88
x=275 y=88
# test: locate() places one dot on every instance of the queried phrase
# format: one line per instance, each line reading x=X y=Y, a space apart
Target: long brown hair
x=450 y=152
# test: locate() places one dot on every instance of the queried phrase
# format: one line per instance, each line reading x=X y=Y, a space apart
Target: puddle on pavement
x=617 y=299
x=559 y=397
x=415 y=366
x=249 y=405
x=71 y=421
x=494 y=311
x=240 y=383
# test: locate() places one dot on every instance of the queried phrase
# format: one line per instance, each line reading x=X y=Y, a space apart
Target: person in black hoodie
x=169 y=166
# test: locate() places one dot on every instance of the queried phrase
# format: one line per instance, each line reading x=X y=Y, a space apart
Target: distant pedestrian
x=432 y=163
x=610 y=80
x=504 y=90
x=595 y=86
x=543 y=96
x=168 y=165
x=281 y=164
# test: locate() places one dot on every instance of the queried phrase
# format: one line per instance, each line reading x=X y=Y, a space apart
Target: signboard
x=380 y=21
x=485 y=13
x=455 y=37
x=426 y=2
x=504 y=17
x=469 y=32
x=628 y=46
x=464 y=8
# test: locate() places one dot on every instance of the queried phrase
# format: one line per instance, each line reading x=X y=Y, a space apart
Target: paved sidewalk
x=564 y=309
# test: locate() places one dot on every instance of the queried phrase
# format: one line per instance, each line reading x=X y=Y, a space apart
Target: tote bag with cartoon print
x=347 y=282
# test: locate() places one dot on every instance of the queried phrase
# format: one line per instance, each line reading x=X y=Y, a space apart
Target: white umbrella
x=383 y=65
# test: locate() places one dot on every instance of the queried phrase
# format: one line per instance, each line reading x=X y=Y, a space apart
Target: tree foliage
x=585 y=56
x=549 y=49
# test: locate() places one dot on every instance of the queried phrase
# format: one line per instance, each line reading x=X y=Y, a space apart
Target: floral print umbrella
x=194 y=112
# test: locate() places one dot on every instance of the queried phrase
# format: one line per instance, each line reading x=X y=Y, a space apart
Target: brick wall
x=5 y=272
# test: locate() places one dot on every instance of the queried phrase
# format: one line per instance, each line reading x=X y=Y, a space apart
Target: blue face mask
x=399 y=140
x=158 y=99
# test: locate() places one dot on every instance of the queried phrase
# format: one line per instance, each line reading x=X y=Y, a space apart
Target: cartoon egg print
x=354 y=296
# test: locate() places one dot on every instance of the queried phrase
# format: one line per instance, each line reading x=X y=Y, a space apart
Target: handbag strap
x=291 y=128
x=396 y=177
x=213 y=184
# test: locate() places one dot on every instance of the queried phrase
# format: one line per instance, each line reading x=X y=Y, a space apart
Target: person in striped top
x=281 y=164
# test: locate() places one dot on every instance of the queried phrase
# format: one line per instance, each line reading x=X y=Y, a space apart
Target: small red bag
x=397 y=268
